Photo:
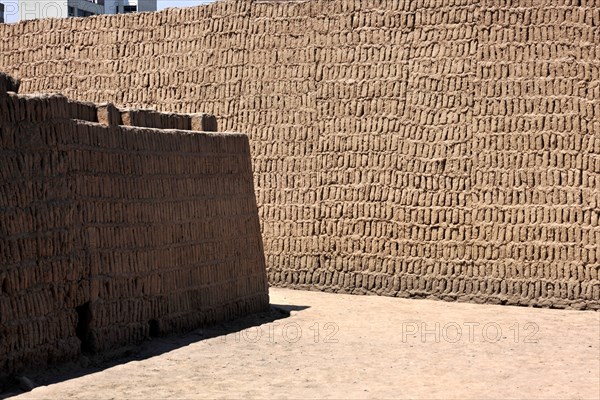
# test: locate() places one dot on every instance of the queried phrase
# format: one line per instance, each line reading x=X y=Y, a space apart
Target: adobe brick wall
x=446 y=149
x=109 y=234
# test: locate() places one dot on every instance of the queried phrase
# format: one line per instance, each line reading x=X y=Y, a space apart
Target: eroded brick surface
x=446 y=149
x=110 y=234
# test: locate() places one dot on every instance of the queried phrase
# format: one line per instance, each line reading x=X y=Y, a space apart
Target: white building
x=127 y=6
x=35 y=9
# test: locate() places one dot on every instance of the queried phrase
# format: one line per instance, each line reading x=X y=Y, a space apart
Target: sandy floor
x=340 y=346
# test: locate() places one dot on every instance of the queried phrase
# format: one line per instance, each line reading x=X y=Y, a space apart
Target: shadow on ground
x=86 y=365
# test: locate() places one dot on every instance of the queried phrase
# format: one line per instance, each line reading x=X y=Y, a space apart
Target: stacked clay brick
x=443 y=149
x=150 y=231
x=536 y=152
x=43 y=273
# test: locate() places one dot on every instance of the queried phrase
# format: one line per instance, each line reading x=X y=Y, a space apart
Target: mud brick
x=8 y=84
x=445 y=147
x=83 y=110
x=106 y=228
x=108 y=114
x=203 y=123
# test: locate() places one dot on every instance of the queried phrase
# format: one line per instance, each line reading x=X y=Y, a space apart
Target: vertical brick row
x=442 y=149
x=144 y=231
x=536 y=152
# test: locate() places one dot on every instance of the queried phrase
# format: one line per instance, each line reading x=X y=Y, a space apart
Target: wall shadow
x=151 y=347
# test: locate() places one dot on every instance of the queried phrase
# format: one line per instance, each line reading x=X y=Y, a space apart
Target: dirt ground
x=341 y=346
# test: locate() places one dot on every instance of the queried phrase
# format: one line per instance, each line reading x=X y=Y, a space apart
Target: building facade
x=128 y=6
x=35 y=9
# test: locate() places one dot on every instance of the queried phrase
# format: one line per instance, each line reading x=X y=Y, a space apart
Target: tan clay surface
x=111 y=234
x=363 y=353
x=446 y=149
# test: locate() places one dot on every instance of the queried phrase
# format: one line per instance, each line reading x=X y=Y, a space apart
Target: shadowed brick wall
x=446 y=149
x=111 y=234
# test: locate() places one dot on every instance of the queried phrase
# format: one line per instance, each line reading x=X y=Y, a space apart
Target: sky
x=11 y=12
